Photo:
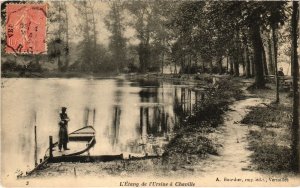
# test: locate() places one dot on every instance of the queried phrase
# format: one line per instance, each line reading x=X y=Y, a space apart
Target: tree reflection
x=114 y=137
x=156 y=119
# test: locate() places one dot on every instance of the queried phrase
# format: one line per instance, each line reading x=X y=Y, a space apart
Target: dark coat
x=63 y=132
x=280 y=73
x=64 y=117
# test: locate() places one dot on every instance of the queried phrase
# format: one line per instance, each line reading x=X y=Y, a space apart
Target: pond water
x=131 y=116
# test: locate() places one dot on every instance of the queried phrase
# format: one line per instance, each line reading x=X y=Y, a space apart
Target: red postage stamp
x=26 y=28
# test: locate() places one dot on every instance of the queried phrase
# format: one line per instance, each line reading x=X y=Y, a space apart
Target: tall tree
x=142 y=23
x=150 y=21
x=58 y=45
x=66 y=25
x=295 y=73
x=247 y=56
x=115 y=24
x=197 y=34
x=275 y=16
x=275 y=51
x=270 y=54
x=266 y=71
x=87 y=27
x=228 y=32
x=253 y=19
x=162 y=34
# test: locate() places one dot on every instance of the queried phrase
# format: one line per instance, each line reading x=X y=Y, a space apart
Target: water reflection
x=114 y=133
x=129 y=116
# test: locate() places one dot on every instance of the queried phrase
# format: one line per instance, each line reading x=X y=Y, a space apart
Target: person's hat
x=63 y=108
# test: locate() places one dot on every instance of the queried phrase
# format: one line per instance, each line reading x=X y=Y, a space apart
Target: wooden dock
x=87 y=159
x=80 y=142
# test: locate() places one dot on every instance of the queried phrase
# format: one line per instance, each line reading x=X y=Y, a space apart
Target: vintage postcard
x=137 y=93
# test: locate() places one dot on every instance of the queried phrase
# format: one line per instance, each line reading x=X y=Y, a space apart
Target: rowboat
x=80 y=141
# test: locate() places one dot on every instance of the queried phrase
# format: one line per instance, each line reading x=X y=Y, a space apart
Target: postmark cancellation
x=26 y=28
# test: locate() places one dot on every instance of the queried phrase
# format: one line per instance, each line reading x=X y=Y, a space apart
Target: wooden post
x=75 y=172
x=94 y=117
x=124 y=164
x=141 y=120
x=35 y=147
x=50 y=146
x=87 y=117
x=190 y=101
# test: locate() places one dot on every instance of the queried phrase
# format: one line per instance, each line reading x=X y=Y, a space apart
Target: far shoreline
x=56 y=74
x=112 y=75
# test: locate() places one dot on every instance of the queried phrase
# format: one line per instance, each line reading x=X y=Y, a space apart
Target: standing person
x=280 y=72
x=63 y=129
x=63 y=136
x=63 y=115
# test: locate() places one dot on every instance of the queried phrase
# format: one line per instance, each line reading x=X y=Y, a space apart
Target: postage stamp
x=26 y=28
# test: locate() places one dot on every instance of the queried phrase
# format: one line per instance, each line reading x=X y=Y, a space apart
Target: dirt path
x=234 y=155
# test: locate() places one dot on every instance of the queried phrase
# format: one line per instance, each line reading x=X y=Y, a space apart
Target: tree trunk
x=182 y=70
x=190 y=63
x=275 y=63
x=220 y=65
x=94 y=58
x=147 y=120
x=59 y=63
x=231 y=65
x=182 y=59
x=142 y=58
x=87 y=64
x=236 y=65
x=203 y=66
x=119 y=26
x=162 y=62
x=241 y=53
x=248 y=69
x=196 y=62
x=141 y=119
x=295 y=73
x=271 y=66
x=211 y=65
x=257 y=45
x=264 y=61
x=67 y=39
x=227 y=64
x=243 y=62
x=236 y=54
x=252 y=66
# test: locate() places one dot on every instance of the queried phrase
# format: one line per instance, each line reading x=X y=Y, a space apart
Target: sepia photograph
x=141 y=93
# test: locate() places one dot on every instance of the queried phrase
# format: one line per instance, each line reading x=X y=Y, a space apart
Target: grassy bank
x=192 y=141
x=270 y=138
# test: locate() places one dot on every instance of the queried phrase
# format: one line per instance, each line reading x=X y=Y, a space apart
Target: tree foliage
x=115 y=24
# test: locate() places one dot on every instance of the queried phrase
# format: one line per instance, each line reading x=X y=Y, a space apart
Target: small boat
x=80 y=141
